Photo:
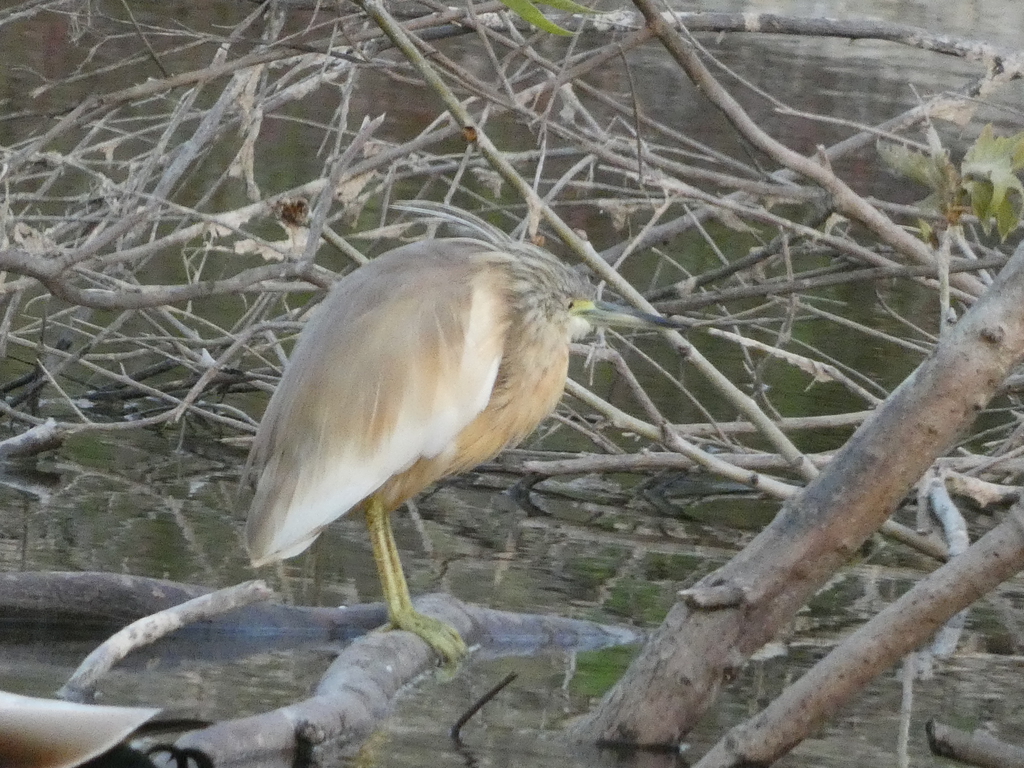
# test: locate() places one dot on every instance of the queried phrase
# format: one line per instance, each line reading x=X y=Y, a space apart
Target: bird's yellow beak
x=605 y=315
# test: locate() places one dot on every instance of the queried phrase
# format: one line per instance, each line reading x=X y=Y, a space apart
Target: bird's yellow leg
x=442 y=637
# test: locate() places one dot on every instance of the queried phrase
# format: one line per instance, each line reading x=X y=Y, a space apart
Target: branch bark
x=678 y=673
x=358 y=690
x=903 y=626
x=355 y=693
x=979 y=748
x=81 y=687
x=58 y=282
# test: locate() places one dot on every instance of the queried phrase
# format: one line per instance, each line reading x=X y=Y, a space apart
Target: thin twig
x=81 y=685
x=455 y=732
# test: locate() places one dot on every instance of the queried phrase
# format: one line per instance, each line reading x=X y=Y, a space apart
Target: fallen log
x=355 y=694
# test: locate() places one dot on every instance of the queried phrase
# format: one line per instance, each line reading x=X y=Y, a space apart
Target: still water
x=148 y=506
x=164 y=505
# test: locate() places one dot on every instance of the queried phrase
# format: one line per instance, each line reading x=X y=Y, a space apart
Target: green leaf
x=988 y=172
x=926 y=230
x=922 y=168
x=932 y=169
x=528 y=11
x=981 y=200
x=1007 y=219
x=1018 y=153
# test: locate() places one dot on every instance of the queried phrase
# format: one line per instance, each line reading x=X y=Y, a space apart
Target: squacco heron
x=423 y=363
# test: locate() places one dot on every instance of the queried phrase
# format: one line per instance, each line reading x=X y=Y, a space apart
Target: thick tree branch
x=358 y=690
x=681 y=668
x=980 y=748
x=899 y=629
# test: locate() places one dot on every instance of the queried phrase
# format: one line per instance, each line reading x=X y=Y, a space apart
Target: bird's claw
x=442 y=637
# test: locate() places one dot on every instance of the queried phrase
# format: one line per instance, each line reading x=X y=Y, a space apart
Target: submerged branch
x=979 y=748
x=81 y=686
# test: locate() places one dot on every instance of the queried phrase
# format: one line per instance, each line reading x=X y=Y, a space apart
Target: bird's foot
x=443 y=638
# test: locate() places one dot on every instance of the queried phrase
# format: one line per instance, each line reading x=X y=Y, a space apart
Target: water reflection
x=166 y=513
x=164 y=505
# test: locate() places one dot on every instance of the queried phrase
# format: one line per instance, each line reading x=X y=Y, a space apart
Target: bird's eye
x=572 y=305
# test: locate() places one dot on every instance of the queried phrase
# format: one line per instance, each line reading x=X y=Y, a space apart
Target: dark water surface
x=164 y=506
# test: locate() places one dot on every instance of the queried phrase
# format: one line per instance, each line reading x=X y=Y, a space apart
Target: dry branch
x=354 y=695
x=660 y=460
x=357 y=692
x=95 y=604
x=979 y=748
x=901 y=627
x=81 y=686
x=43 y=437
x=99 y=206
x=106 y=240
x=678 y=673
x=843 y=197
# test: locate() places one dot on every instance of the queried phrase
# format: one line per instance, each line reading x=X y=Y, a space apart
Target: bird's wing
x=401 y=357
